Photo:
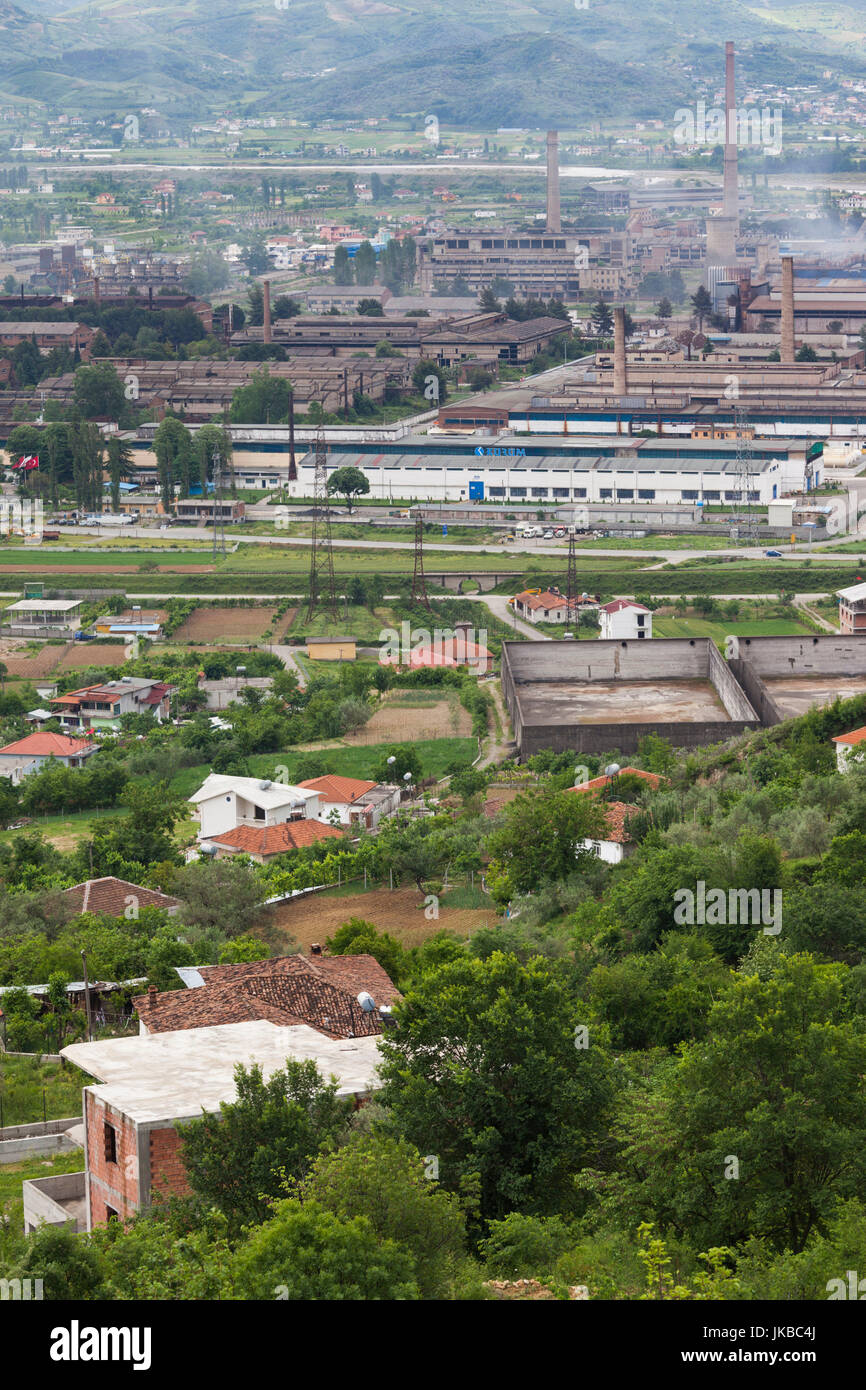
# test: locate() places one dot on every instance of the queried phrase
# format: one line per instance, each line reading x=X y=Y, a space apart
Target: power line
x=219 y=521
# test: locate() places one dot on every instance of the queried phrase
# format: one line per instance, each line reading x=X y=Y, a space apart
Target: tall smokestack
x=266 y=319
x=96 y=299
x=554 y=219
x=731 y=198
x=722 y=231
x=620 y=377
x=786 y=349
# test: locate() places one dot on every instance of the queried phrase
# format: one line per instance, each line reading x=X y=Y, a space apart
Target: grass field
x=64 y=832
x=12 y=1175
x=718 y=630
x=357 y=760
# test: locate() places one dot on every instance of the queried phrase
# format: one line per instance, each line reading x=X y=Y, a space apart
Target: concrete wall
x=54 y=1201
x=759 y=696
x=624 y=738
x=803 y=656
x=731 y=693
x=659 y=659
x=18 y=1142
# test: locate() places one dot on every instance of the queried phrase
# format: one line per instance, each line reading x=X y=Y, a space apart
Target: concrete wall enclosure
x=601 y=695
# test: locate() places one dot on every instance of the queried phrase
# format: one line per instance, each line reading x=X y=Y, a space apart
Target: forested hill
x=481 y=62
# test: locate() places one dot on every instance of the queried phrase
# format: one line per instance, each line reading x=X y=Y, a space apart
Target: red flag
x=27 y=461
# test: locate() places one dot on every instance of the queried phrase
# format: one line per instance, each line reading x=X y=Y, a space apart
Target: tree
x=305 y=1252
x=382 y=1179
x=264 y=400
x=206 y=272
x=343 y=269
x=143 y=836
x=702 y=304
x=172 y=443
x=120 y=462
x=482 y=1070
x=371 y=308
x=349 y=482
x=222 y=894
x=365 y=264
x=422 y=372
x=405 y=760
x=488 y=302
x=806 y=354
x=358 y=937
x=239 y=1160
x=542 y=840
x=602 y=319
x=776 y=1087
x=98 y=392
x=256 y=302
x=665 y=309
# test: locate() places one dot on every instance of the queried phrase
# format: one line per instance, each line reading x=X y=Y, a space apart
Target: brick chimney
x=96 y=299
x=266 y=320
x=151 y=995
x=554 y=219
x=786 y=348
x=620 y=375
x=315 y=949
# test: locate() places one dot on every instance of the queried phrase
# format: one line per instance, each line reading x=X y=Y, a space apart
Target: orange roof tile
x=47 y=745
x=275 y=839
x=334 y=788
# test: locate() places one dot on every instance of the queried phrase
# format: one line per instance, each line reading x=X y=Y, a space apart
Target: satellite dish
x=366 y=1001
x=611 y=770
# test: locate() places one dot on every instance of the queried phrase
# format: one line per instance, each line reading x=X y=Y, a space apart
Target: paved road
x=287 y=657
x=676 y=557
x=498 y=605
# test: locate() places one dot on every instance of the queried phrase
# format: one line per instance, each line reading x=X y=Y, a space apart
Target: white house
x=225 y=803
x=625 y=619
x=850 y=748
x=617 y=843
x=30 y=754
x=351 y=801
x=541 y=606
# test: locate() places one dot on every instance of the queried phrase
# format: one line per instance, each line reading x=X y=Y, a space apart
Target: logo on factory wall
x=748 y=127
x=481 y=452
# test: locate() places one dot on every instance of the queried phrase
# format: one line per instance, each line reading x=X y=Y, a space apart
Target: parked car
x=548 y=535
x=560 y=531
x=773 y=554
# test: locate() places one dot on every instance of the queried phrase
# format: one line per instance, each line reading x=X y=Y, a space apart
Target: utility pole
x=87 y=997
x=293 y=468
x=219 y=524
x=419 y=583
x=572 y=611
x=322 y=588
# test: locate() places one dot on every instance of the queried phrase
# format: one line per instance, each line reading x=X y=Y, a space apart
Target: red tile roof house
x=319 y=991
x=351 y=801
x=31 y=753
x=652 y=779
x=114 y=896
x=617 y=843
x=548 y=607
x=850 y=748
x=264 y=842
x=147 y=1086
x=101 y=706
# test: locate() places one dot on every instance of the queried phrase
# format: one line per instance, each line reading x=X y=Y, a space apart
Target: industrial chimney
x=266 y=320
x=786 y=349
x=554 y=219
x=730 y=199
x=620 y=377
x=722 y=231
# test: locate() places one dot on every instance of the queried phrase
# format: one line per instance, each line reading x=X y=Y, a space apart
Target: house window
x=109 y=1138
x=259 y=812
x=110 y=1213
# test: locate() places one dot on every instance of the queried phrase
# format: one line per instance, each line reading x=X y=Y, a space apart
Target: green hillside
x=473 y=62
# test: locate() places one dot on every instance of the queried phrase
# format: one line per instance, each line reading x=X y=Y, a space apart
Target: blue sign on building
x=476 y=491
